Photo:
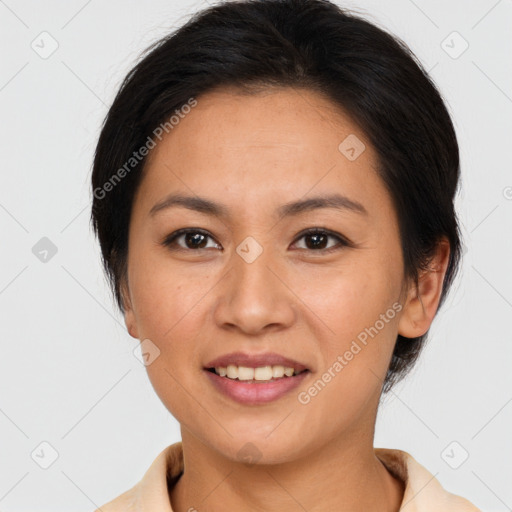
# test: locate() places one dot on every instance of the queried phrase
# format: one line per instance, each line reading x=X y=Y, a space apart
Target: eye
x=318 y=238
x=197 y=239
x=192 y=238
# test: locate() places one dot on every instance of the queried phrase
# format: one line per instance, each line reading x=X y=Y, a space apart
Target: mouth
x=253 y=379
x=258 y=375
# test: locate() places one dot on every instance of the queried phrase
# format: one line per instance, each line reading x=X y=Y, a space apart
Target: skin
x=254 y=153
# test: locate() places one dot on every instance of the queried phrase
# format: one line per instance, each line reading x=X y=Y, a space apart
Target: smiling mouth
x=262 y=374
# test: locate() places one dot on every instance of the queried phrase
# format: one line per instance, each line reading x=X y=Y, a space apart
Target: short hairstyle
x=253 y=45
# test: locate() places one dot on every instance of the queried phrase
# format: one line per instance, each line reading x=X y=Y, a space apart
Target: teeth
x=277 y=371
x=262 y=373
x=288 y=372
x=245 y=373
x=232 y=371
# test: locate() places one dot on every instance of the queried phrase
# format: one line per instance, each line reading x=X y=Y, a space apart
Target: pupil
x=195 y=237
x=316 y=237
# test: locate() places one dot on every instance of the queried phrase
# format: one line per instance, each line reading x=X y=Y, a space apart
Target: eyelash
x=170 y=240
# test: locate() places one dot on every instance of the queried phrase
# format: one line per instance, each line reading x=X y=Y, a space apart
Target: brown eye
x=188 y=239
x=318 y=240
x=196 y=239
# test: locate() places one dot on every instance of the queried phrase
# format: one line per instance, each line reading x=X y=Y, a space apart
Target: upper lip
x=255 y=361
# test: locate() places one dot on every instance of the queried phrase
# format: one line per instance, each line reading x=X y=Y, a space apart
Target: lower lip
x=254 y=393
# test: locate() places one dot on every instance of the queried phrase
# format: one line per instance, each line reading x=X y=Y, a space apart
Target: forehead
x=297 y=119
x=279 y=141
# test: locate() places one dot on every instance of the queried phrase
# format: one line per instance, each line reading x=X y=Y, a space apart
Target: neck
x=344 y=475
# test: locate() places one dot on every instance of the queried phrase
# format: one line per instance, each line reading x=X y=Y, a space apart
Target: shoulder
x=423 y=492
x=151 y=492
x=123 y=503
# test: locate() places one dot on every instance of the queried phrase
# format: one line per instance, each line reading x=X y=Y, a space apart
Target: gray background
x=68 y=373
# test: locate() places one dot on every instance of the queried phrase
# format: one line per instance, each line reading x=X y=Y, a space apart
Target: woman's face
x=251 y=281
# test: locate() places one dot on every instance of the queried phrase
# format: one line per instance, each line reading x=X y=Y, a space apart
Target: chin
x=254 y=449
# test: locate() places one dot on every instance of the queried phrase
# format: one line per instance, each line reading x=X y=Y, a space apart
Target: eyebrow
x=208 y=207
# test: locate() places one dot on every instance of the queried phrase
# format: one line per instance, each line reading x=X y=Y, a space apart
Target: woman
x=273 y=195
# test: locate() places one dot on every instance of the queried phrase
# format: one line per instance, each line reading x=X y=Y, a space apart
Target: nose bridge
x=253 y=297
x=251 y=263
x=252 y=280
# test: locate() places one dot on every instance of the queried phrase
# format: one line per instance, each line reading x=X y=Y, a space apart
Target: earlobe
x=423 y=299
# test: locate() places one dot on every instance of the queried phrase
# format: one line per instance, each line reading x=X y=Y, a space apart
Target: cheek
x=168 y=307
x=166 y=299
x=355 y=313
x=348 y=299
x=357 y=328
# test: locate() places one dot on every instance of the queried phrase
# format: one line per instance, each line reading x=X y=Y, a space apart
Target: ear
x=129 y=315
x=422 y=300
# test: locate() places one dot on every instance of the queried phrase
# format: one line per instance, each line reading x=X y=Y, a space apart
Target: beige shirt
x=423 y=492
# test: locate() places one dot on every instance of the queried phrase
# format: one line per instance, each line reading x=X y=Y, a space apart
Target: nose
x=255 y=297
